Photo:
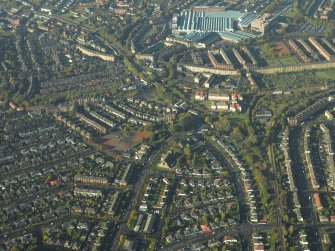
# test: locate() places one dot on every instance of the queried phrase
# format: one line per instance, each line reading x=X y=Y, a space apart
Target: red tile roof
x=317 y=200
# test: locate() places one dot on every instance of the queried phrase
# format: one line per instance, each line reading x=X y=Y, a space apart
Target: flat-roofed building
x=149 y=224
x=205 y=19
x=262 y=24
x=189 y=21
x=87 y=192
x=218 y=97
x=90 y=179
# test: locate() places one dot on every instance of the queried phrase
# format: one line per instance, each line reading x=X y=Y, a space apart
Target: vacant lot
x=141 y=136
x=115 y=141
x=119 y=142
x=281 y=49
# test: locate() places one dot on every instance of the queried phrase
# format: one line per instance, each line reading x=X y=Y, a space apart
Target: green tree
x=237 y=134
x=187 y=122
x=290 y=230
x=122 y=239
x=187 y=150
x=131 y=219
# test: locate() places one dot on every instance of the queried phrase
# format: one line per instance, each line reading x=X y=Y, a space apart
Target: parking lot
x=310 y=28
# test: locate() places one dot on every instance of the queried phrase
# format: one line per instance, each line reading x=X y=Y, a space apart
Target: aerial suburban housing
x=156 y=125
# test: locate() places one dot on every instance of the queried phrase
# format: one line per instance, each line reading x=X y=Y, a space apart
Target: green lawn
x=289 y=60
x=289 y=13
x=70 y=16
x=327 y=74
x=161 y=170
x=207 y=103
x=271 y=55
x=236 y=118
x=272 y=62
x=268 y=56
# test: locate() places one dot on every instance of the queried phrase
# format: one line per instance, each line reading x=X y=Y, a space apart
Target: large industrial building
x=203 y=20
x=192 y=20
x=189 y=21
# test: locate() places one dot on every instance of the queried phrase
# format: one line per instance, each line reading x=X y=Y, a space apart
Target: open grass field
x=267 y=53
x=71 y=16
x=272 y=62
x=162 y=170
x=289 y=60
x=277 y=54
x=236 y=118
x=289 y=13
x=328 y=74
